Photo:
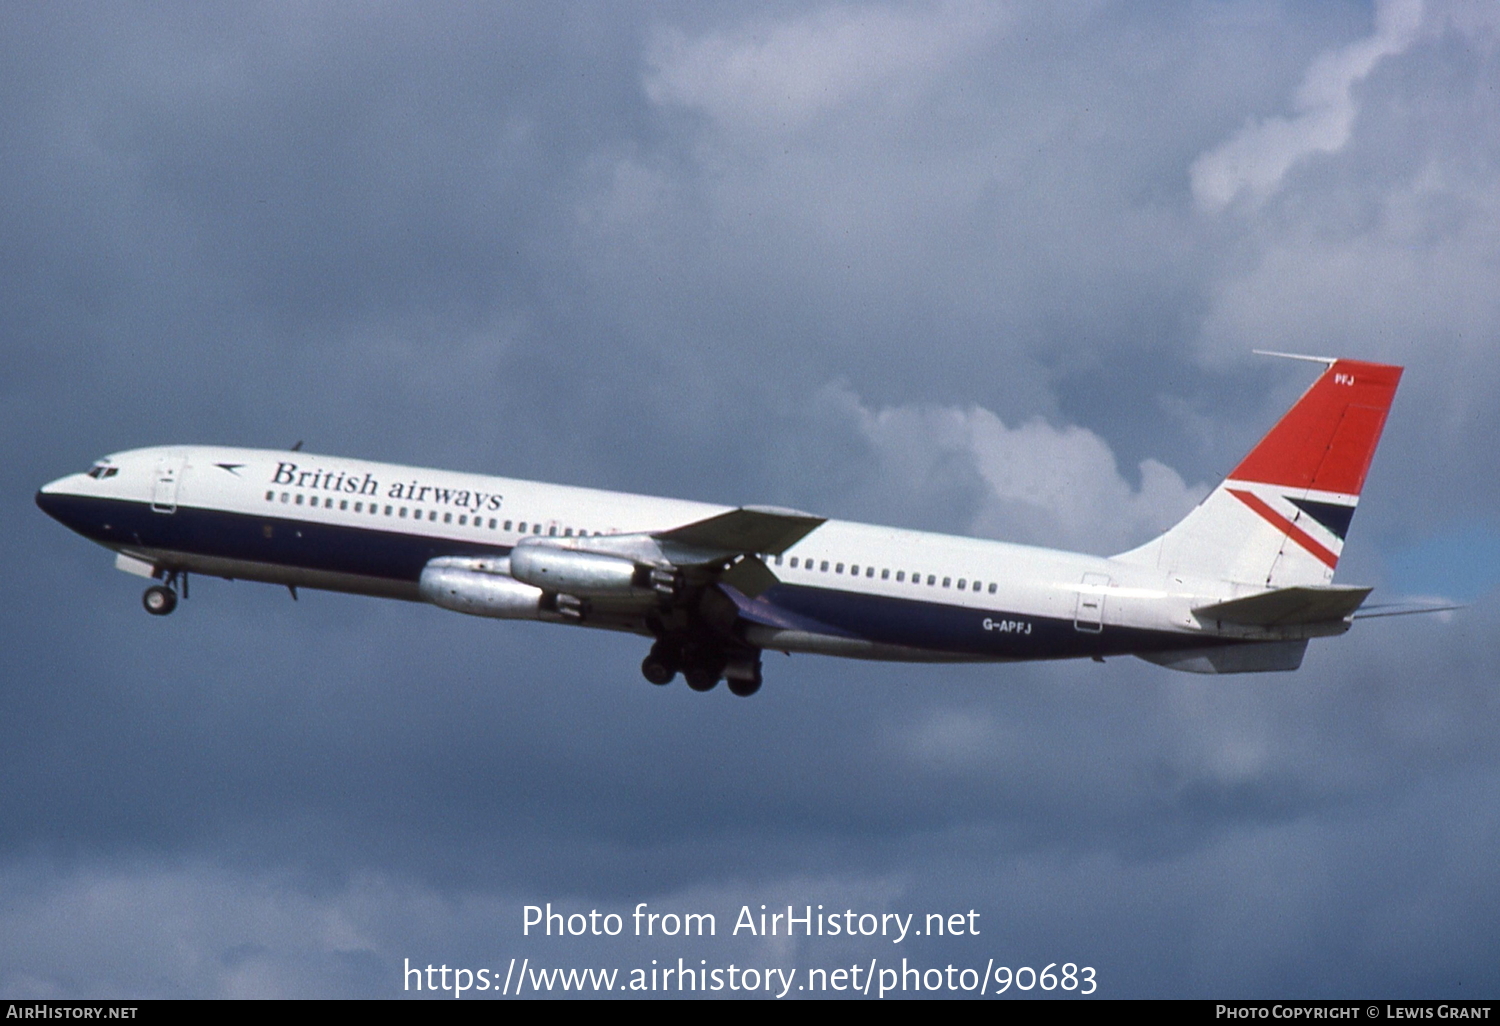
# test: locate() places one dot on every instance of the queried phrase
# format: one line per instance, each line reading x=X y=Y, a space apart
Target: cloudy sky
x=993 y=269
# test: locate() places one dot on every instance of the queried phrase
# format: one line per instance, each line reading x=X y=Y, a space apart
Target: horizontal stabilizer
x=1284 y=606
x=762 y=529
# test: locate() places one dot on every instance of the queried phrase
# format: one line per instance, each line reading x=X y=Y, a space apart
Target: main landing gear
x=161 y=599
x=703 y=666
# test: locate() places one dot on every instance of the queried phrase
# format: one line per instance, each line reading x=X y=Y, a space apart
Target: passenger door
x=1089 y=616
x=169 y=471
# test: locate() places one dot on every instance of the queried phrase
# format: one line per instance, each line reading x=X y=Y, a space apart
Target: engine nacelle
x=585 y=574
x=479 y=587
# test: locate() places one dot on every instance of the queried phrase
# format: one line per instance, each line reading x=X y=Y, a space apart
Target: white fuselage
x=845 y=588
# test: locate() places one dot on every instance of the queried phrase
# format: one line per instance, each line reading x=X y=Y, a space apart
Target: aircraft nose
x=58 y=500
x=48 y=501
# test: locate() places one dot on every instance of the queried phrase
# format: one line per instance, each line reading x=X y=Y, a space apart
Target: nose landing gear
x=161 y=599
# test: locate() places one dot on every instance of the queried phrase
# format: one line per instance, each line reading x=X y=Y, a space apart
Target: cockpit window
x=99 y=471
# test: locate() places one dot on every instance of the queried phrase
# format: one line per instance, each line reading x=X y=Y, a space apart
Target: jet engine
x=588 y=574
x=479 y=587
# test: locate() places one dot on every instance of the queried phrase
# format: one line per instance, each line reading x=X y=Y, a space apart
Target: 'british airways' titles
x=414 y=491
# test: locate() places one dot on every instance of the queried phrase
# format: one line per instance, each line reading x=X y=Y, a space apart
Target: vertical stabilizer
x=1282 y=515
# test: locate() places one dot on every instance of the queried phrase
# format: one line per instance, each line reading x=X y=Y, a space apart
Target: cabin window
x=794 y=562
x=521 y=528
x=824 y=566
x=463 y=520
x=299 y=498
x=854 y=569
x=838 y=568
x=359 y=507
x=403 y=511
x=947 y=582
x=492 y=523
x=778 y=560
x=992 y=587
x=900 y=576
x=447 y=518
x=931 y=580
x=885 y=575
x=343 y=504
x=270 y=496
x=568 y=532
x=285 y=496
x=962 y=584
x=869 y=571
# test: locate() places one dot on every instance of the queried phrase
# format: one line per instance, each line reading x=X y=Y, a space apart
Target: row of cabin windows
x=964 y=584
x=822 y=566
x=359 y=506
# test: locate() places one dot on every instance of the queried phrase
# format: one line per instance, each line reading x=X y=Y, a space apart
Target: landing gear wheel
x=159 y=601
x=745 y=688
x=702 y=665
x=701 y=678
x=662 y=663
x=657 y=670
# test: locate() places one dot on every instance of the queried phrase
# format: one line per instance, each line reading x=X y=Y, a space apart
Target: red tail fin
x=1281 y=517
x=1325 y=443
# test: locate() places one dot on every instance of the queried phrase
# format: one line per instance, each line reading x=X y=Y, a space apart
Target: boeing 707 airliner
x=1241 y=584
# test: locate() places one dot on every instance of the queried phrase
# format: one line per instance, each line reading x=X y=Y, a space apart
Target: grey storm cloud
x=977 y=268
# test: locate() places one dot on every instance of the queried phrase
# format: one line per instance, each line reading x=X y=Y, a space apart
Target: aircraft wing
x=726 y=546
x=747 y=530
x=1284 y=606
x=734 y=542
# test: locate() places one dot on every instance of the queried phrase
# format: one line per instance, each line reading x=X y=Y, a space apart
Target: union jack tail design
x=1281 y=517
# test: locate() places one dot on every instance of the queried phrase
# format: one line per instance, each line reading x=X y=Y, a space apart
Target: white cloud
x=777 y=77
x=1040 y=484
x=1260 y=155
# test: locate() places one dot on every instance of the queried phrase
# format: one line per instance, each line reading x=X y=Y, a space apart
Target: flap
x=750 y=577
x=1300 y=604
